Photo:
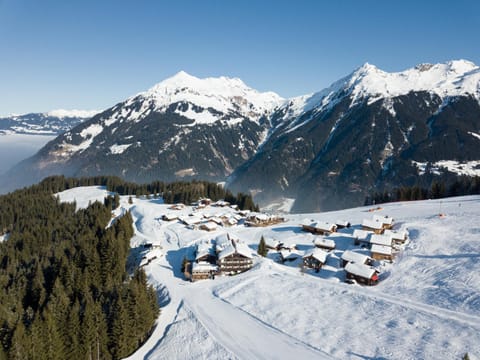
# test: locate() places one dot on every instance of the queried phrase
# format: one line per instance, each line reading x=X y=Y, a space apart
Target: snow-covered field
x=427 y=305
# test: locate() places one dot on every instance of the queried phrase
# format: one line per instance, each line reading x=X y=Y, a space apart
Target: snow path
x=247 y=337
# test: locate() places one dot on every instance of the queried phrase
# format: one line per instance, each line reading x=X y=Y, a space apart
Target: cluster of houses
x=375 y=235
x=222 y=255
x=258 y=219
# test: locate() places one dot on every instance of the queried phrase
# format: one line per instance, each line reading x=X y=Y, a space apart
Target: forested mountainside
x=66 y=290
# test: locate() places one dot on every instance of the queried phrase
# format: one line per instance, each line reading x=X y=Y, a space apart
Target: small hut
x=315 y=259
x=349 y=256
x=362 y=273
x=382 y=252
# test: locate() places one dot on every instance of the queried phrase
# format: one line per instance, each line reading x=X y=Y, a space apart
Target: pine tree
x=262 y=247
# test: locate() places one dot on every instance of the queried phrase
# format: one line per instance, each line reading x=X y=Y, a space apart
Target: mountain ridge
x=356 y=135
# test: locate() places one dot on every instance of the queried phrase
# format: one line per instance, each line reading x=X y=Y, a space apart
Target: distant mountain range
x=50 y=123
x=368 y=131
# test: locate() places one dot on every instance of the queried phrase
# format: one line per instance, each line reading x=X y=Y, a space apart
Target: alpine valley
x=369 y=131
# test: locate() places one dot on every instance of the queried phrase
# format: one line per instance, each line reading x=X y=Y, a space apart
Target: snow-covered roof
x=239 y=248
x=209 y=225
x=321 y=225
x=204 y=249
x=170 y=216
x=344 y=223
x=383 y=219
x=222 y=241
x=191 y=220
x=318 y=254
x=372 y=224
x=359 y=269
x=352 y=256
x=203 y=266
x=361 y=234
x=381 y=240
x=320 y=241
x=290 y=255
x=243 y=249
x=396 y=234
x=381 y=249
x=271 y=242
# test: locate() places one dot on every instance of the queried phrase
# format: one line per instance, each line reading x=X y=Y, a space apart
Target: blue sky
x=93 y=54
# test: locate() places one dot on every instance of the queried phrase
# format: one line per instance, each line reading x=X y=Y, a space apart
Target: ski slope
x=427 y=305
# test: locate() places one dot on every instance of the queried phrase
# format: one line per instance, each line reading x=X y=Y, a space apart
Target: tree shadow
x=365 y=357
x=175 y=258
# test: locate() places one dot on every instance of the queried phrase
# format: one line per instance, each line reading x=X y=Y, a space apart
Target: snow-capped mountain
x=183 y=127
x=368 y=131
x=50 y=123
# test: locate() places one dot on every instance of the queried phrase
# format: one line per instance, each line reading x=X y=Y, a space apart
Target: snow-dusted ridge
x=62 y=113
x=450 y=79
x=227 y=96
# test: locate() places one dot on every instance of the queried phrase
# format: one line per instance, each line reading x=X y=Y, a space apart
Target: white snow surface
x=119 y=149
x=426 y=305
x=83 y=196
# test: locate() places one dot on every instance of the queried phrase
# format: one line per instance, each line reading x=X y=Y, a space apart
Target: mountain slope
x=183 y=127
x=429 y=292
x=366 y=132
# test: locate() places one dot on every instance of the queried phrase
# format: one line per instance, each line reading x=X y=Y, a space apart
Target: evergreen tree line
x=175 y=192
x=66 y=293
x=438 y=189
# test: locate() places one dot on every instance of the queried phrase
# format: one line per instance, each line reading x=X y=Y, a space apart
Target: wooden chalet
x=169 y=217
x=372 y=225
x=315 y=259
x=361 y=236
x=350 y=256
x=398 y=236
x=208 y=226
x=222 y=241
x=382 y=252
x=178 y=206
x=383 y=240
x=206 y=253
x=341 y=224
x=361 y=273
x=273 y=244
x=288 y=255
x=386 y=221
x=326 y=244
x=191 y=220
x=257 y=219
x=203 y=270
x=235 y=258
x=320 y=227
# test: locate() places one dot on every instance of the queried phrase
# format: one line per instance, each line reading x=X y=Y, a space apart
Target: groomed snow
x=426 y=305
